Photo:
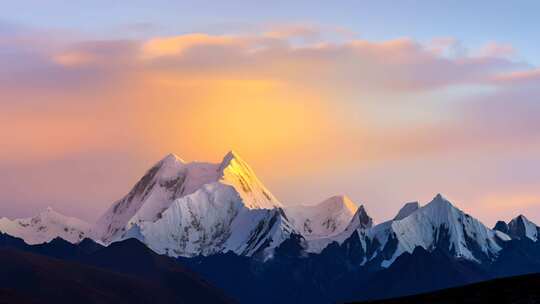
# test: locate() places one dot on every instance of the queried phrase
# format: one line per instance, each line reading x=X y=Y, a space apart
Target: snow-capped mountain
x=361 y=222
x=519 y=228
x=325 y=219
x=439 y=225
x=436 y=225
x=46 y=226
x=187 y=209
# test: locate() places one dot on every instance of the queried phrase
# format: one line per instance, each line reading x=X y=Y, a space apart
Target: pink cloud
x=519 y=77
x=307 y=32
x=397 y=64
x=494 y=49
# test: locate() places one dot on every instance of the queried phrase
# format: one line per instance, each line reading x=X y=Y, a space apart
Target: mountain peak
x=439 y=224
x=501 y=226
x=49 y=211
x=521 y=227
x=340 y=201
x=231 y=154
x=361 y=219
x=325 y=219
x=168 y=166
x=51 y=214
x=236 y=172
x=521 y=217
x=406 y=210
x=170 y=180
x=441 y=201
x=230 y=159
x=170 y=159
x=439 y=197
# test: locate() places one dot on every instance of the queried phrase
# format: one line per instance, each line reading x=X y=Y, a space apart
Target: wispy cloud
x=530 y=76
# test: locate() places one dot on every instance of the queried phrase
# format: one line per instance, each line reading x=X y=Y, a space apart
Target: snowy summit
x=187 y=209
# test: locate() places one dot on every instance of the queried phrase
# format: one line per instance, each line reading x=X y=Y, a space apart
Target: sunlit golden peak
x=230 y=156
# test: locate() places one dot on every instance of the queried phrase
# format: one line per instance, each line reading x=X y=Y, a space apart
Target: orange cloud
x=168 y=46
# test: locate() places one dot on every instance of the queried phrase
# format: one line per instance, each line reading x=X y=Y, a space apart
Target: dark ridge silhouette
x=47 y=280
x=125 y=272
x=420 y=271
x=335 y=276
x=518 y=289
x=290 y=276
x=11 y=296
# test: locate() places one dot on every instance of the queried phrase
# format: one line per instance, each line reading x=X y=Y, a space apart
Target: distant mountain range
x=221 y=222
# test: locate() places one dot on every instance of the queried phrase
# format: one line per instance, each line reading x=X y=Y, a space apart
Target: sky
x=383 y=101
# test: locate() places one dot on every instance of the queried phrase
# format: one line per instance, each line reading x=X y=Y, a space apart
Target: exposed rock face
x=520 y=228
x=501 y=226
x=406 y=210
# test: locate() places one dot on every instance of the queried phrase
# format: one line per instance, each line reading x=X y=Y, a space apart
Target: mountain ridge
x=46 y=226
x=183 y=208
x=221 y=222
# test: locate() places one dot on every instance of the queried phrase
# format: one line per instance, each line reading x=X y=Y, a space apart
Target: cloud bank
x=285 y=98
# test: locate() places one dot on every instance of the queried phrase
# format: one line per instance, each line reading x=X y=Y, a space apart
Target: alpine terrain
x=217 y=228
